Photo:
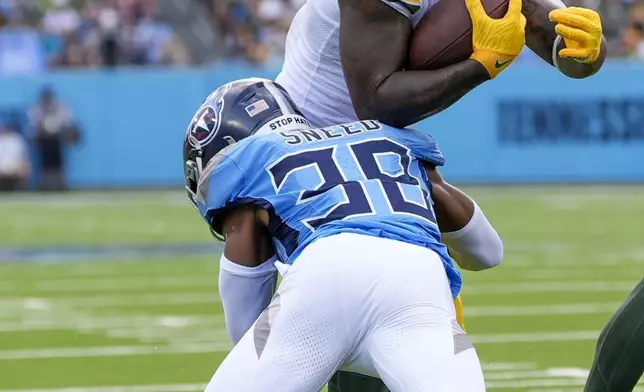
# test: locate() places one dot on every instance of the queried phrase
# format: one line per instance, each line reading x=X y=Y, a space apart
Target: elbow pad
x=477 y=246
x=245 y=292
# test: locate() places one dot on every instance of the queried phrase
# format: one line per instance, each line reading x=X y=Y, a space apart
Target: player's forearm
x=406 y=97
x=245 y=292
x=541 y=36
x=477 y=246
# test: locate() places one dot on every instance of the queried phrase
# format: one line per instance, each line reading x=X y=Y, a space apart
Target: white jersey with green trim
x=312 y=72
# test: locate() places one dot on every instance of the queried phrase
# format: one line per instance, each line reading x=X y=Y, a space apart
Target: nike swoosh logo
x=499 y=64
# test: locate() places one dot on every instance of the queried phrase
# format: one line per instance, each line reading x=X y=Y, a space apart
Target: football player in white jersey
x=346 y=60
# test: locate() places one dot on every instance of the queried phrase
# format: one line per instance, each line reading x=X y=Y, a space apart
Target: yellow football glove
x=458 y=305
x=581 y=30
x=496 y=42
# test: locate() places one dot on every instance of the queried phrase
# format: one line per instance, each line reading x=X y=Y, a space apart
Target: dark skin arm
x=540 y=36
x=248 y=242
x=374 y=47
x=454 y=208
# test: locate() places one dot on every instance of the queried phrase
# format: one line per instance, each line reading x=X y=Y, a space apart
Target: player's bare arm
x=374 y=47
x=471 y=239
x=454 y=209
x=247 y=276
x=248 y=242
x=580 y=28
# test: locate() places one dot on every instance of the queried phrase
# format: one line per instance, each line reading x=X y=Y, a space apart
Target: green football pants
x=352 y=382
x=619 y=358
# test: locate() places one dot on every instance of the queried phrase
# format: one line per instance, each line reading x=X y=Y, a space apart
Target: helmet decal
x=206 y=122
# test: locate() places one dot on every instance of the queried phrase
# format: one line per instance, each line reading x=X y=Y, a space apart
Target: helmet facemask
x=193 y=167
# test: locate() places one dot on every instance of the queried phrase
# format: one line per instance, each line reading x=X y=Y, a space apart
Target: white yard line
x=548 y=390
x=83 y=322
x=505 y=338
x=91 y=199
x=637 y=389
x=536 y=374
x=552 y=382
x=122 y=284
x=129 y=388
x=113 y=351
x=116 y=300
x=17 y=306
x=540 y=310
x=550 y=287
x=219 y=343
x=503 y=366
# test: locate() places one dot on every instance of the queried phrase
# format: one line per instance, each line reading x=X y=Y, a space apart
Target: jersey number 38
x=357 y=201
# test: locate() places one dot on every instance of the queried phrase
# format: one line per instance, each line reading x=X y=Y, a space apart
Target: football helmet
x=230 y=114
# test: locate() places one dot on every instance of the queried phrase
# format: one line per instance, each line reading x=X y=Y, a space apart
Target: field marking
x=115 y=284
x=114 y=351
x=504 y=338
x=223 y=345
x=129 y=388
x=637 y=389
x=502 y=366
x=553 y=382
x=81 y=322
x=92 y=199
x=550 y=287
x=540 y=310
x=535 y=374
x=98 y=301
x=16 y=305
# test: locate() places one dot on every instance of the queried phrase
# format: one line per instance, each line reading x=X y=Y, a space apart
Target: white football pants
x=352 y=302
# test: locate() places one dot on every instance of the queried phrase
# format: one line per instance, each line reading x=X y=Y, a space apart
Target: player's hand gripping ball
x=496 y=42
x=581 y=30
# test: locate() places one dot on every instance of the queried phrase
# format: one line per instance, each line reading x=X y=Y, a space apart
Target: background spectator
x=14 y=159
x=275 y=18
x=633 y=37
x=97 y=33
x=61 y=19
x=241 y=29
x=21 y=51
x=35 y=35
x=54 y=129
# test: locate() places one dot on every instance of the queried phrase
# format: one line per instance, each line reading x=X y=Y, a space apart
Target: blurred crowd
x=623 y=23
x=254 y=29
x=39 y=34
x=52 y=131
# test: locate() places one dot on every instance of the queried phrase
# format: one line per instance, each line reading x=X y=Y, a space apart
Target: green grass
x=572 y=254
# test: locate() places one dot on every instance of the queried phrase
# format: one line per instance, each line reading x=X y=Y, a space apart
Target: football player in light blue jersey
x=367 y=283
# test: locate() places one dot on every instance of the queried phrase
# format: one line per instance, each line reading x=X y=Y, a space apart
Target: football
x=444 y=35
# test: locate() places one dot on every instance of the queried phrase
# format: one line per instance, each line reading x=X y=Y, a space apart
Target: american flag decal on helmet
x=256 y=108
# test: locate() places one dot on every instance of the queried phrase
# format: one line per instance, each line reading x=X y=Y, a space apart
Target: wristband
x=555 y=52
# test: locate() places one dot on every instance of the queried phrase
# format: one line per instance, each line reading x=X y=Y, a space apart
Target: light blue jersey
x=362 y=177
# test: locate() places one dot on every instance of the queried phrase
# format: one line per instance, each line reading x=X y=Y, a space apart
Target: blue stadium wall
x=529 y=125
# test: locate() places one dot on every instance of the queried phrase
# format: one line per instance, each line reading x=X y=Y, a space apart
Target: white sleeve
x=245 y=292
x=477 y=246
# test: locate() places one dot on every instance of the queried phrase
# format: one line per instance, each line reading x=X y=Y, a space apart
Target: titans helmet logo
x=205 y=124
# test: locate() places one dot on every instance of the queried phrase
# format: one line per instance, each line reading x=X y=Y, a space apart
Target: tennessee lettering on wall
x=530 y=121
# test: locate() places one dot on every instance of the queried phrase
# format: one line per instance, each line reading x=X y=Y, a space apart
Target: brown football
x=444 y=35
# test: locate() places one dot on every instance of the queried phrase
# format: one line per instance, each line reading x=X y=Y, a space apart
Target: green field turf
x=153 y=323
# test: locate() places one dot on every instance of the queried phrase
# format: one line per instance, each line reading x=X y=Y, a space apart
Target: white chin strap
x=289 y=122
